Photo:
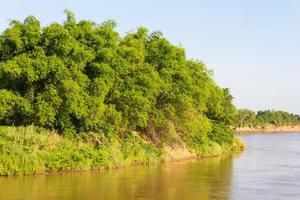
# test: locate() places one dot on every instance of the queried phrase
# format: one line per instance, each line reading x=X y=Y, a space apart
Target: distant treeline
x=248 y=118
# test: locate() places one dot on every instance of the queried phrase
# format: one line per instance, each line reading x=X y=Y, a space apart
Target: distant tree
x=247 y=118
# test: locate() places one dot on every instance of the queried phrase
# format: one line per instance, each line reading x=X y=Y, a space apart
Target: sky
x=253 y=46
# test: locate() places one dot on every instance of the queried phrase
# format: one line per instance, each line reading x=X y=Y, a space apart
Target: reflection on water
x=268 y=169
x=205 y=179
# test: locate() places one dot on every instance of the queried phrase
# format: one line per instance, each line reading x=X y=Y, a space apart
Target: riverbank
x=31 y=150
x=268 y=129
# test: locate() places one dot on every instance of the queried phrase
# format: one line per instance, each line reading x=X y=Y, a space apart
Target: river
x=269 y=168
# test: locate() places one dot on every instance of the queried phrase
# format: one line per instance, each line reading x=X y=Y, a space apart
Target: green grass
x=29 y=150
x=212 y=149
x=32 y=150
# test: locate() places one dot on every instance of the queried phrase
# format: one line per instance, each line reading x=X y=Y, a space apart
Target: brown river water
x=269 y=168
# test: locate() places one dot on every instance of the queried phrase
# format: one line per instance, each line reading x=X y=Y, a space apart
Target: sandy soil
x=268 y=129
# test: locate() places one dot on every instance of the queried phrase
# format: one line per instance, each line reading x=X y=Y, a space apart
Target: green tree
x=82 y=76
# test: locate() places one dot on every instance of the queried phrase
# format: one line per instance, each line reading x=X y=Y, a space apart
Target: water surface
x=268 y=169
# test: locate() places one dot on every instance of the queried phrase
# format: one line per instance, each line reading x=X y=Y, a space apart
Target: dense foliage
x=83 y=77
x=248 y=118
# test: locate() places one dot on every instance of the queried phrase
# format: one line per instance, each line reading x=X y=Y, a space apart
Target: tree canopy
x=83 y=76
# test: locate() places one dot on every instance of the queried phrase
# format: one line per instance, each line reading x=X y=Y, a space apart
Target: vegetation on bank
x=82 y=80
x=248 y=118
x=31 y=150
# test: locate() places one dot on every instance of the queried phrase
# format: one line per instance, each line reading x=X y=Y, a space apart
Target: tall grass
x=32 y=150
x=29 y=150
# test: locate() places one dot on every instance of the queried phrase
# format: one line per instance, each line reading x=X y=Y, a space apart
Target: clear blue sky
x=253 y=46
